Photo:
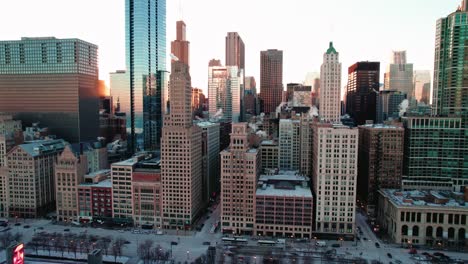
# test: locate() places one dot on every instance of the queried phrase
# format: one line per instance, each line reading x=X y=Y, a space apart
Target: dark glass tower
x=145 y=22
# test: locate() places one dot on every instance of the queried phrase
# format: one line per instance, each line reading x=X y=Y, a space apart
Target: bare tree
x=117 y=247
x=5 y=239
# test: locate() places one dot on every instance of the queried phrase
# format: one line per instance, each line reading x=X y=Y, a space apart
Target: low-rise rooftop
x=425 y=198
x=102 y=184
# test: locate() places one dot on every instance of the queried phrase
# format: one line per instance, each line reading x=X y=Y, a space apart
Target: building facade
x=362 y=91
x=37 y=68
x=388 y=105
x=95 y=197
x=422 y=86
x=450 y=94
x=240 y=168
x=120 y=92
x=269 y=153
x=435 y=153
x=380 y=162
x=271 y=79
x=430 y=218
x=32 y=164
x=330 y=83
x=289 y=144
x=145 y=39
x=335 y=156
x=224 y=93
x=399 y=75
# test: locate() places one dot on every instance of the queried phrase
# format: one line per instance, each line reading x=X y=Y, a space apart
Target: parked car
x=335 y=245
x=439 y=254
x=413 y=251
x=173 y=243
x=66 y=230
x=26 y=226
x=207 y=243
x=377 y=245
x=389 y=255
x=17 y=224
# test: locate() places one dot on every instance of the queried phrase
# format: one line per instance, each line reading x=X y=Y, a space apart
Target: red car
x=413 y=251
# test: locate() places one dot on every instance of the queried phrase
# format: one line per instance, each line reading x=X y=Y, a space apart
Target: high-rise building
x=70 y=168
x=210 y=159
x=335 y=156
x=450 y=94
x=289 y=144
x=422 y=86
x=362 y=91
x=120 y=92
x=271 y=79
x=181 y=154
x=399 y=75
x=250 y=97
x=180 y=47
x=269 y=154
x=198 y=99
x=235 y=50
x=32 y=163
x=145 y=37
x=240 y=168
x=435 y=154
x=388 y=105
x=224 y=93
x=55 y=82
x=306 y=141
x=330 y=83
x=380 y=162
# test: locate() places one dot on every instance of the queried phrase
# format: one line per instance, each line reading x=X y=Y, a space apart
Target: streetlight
x=188 y=255
x=255 y=258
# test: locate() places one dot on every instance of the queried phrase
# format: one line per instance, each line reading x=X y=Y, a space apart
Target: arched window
x=461 y=234
x=451 y=232
x=415 y=230
x=429 y=231
x=439 y=231
x=404 y=230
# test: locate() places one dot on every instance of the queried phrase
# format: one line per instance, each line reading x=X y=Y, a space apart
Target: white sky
x=360 y=29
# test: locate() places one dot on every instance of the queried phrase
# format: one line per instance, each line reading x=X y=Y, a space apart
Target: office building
x=250 y=97
x=95 y=197
x=422 y=86
x=283 y=205
x=240 y=168
x=335 y=155
x=235 y=50
x=271 y=79
x=450 y=94
x=120 y=92
x=69 y=169
x=380 y=162
x=435 y=153
x=10 y=135
x=330 y=84
x=269 y=155
x=399 y=75
x=181 y=155
x=180 y=47
x=388 y=105
x=32 y=164
x=54 y=82
x=224 y=93
x=362 y=91
x=306 y=142
x=210 y=158
x=198 y=100
x=424 y=218
x=145 y=39
x=289 y=144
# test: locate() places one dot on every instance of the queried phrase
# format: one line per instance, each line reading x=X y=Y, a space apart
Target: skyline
x=396 y=29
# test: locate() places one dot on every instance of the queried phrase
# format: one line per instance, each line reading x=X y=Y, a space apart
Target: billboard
x=15 y=254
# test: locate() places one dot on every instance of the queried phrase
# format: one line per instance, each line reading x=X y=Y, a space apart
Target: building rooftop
x=272 y=190
x=331 y=49
x=269 y=143
x=381 y=126
x=44 y=147
x=282 y=175
x=102 y=184
x=284 y=183
x=97 y=173
x=206 y=124
x=426 y=198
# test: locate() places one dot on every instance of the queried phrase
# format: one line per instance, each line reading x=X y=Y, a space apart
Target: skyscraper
x=180 y=46
x=450 y=94
x=224 y=92
x=289 y=144
x=271 y=79
x=330 y=83
x=181 y=154
x=399 y=75
x=250 y=97
x=362 y=91
x=54 y=82
x=120 y=93
x=145 y=26
x=422 y=86
x=235 y=51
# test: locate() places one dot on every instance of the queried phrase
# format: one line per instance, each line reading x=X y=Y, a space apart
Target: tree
x=117 y=248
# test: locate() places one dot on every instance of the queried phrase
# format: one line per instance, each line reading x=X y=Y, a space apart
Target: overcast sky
x=360 y=29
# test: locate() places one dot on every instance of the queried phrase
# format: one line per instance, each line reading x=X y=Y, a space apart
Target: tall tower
x=362 y=91
x=145 y=26
x=180 y=46
x=450 y=94
x=330 y=81
x=271 y=79
x=399 y=75
x=181 y=154
x=235 y=50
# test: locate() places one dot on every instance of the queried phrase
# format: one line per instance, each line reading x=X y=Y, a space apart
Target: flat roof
x=128 y=162
x=97 y=173
x=415 y=198
x=381 y=126
x=270 y=190
x=283 y=176
x=102 y=184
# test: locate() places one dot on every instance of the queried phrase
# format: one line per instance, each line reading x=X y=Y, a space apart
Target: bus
x=228 y=239
x=266 y=242
x=240 y=240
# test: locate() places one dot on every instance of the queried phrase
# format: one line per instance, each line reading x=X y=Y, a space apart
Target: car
x=358 y=238
x=413 y=251
x=377 y=245
x=17 y=224
x=127 y=242
x=439 y=254
x=335 y=245
x=207 y=243
x=40 y=228
x=364 y=238
x=26 y=226
x=66 y=230
x=173 y=243
x=389 y=255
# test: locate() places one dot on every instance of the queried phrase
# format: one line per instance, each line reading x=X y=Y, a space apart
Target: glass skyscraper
x=145 y=25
